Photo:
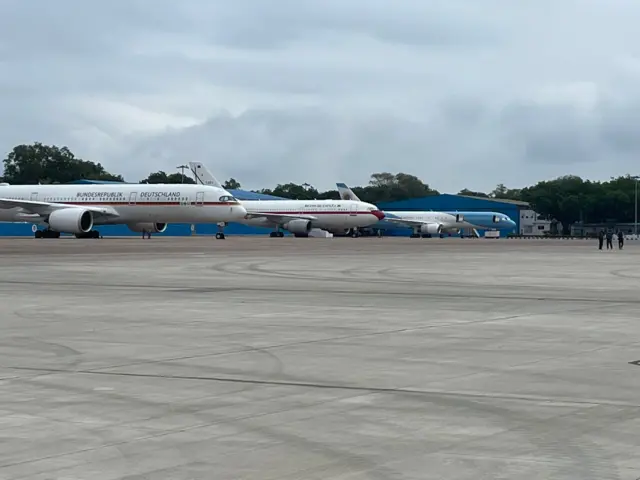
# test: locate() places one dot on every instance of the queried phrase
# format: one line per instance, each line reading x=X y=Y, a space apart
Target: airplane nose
x=239 y=210
x=379 y=214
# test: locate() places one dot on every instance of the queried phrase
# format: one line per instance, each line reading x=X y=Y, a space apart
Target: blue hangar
x=457 y=204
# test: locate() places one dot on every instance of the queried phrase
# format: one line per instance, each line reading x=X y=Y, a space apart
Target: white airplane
x=145 y=208
x=300 y=216
x=426 y=224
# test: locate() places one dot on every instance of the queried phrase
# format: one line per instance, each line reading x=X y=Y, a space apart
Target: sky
x=461 y=93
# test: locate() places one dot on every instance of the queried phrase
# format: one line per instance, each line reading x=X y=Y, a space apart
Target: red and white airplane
x=299 y=216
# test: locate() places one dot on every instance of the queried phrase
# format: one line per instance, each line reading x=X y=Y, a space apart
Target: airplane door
x=353 y=210
x=132 y=198
x=199 y=199
x=34 y=196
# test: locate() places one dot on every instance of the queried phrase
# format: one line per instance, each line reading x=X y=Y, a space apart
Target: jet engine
x=148 y=227
x=298 y=226
x=71 y=220
x=430 y=229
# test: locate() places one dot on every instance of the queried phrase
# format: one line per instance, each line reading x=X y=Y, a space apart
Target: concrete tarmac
x=318 y=359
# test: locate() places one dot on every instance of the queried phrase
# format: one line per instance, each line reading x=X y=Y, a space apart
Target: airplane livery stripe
x=306 y=212
x=125 y=203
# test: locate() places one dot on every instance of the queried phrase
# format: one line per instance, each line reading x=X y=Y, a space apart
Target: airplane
x=426 y=224
x=299 y=216
x=145 y=208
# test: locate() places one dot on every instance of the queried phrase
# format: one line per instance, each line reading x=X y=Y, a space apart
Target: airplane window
x=227 y=198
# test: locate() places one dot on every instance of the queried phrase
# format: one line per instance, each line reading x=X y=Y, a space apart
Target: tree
x=295 y=191
x=163 y=177
x=471 y=193
x=564 y=199
x=38 y=163
x=232 y=184
x=387 y=187
x=502 y=192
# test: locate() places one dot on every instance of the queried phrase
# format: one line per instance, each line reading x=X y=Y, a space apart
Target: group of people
x=609 y=236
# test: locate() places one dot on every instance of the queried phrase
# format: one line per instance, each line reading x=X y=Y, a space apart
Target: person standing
x=609 y=240
x=620 y=239
x=600 y=239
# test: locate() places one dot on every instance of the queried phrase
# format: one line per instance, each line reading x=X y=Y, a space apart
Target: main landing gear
x=90 y=234
x=416 y=234
x=278 y=234
x=46 y=234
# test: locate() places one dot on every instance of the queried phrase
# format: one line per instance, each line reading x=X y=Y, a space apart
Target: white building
x=533 y=224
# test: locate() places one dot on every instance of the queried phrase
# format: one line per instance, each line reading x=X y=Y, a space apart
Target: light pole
x=182 y=167
x=635 y=220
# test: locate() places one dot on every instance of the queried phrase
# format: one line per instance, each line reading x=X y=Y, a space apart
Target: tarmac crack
x=335 y=386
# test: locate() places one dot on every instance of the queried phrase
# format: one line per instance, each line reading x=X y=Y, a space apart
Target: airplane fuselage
x=328 y=214
x=130 y=203
x=450 y=221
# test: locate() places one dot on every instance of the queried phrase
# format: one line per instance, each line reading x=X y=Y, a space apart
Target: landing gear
x=90 y=234
x=145 y=233
x=220 y=234
x=278 y=234
x=355 y=233
x=46 y=234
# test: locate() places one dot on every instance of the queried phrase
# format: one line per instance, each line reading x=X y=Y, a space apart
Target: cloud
x=462 y=94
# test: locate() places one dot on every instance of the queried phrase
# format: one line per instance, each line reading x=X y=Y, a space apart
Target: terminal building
x=527 y=221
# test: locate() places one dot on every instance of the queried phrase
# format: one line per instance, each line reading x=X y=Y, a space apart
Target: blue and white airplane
x=427 y=224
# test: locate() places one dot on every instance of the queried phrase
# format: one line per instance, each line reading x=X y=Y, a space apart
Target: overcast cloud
x=462 y=93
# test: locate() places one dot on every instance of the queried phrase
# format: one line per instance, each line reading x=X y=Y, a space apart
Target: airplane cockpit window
x=228 y=198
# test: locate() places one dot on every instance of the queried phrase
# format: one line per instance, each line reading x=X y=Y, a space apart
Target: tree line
x=567 y=199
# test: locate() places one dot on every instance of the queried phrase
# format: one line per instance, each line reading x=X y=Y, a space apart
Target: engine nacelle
x=431 y=228
x=71 y=220
x=298 y=226
x=148 y=227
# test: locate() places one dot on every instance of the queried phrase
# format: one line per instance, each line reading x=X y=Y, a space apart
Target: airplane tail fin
x=346 y=193
x=203 y=175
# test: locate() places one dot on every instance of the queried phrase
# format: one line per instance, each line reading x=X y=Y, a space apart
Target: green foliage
x=38 y=163
x=292 y=191
x=570 y=199
x=163 y=177
x=383 y=187
x=232 y=184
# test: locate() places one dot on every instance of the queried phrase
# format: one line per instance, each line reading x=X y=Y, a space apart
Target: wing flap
x=413 y=223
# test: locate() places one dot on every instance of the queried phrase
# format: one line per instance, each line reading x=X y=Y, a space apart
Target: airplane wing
x=412 y=223
x=280 y=218
x=45 y=208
